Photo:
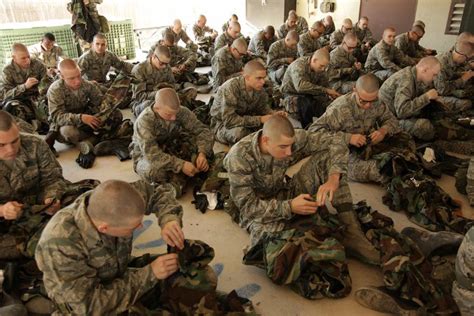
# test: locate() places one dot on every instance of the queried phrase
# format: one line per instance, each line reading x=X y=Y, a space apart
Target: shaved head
x=466 y=37
x=278 y=126
x=252 y=66
x=67 y=64
x=428 y=62
x=100 y=36
x=317 y=25
x=292 y=16
x=420 y=23
x=292 y=36
x=270 y=31
x=364 y=18
x=168 y=38
x=464 y=48
x=388 y=30
x=321 y=54
x=116 y=203
x=234 y=25
x=328 y=19
x=6 y=121
x=418 y=30
x=177 y=23
x=162 y=51
x=347 y=23
x=167 y=97
x=368 y=83
x=240 y=44
x=350 y=37
x=18 y=48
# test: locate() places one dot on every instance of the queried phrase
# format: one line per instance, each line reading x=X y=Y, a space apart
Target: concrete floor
x=228 y=239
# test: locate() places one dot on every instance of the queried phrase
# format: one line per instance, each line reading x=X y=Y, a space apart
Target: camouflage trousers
x=425 y=203
x=463 y=288
x=20 y=237
x=72 y=134
x=306 y=256
x=419 y=128
x=276 y=75
x=230 y=136
x=365 y=162
x=383 y=74
x=191 y=290
x=342 y=87
x=406 y=272
x=306 y=106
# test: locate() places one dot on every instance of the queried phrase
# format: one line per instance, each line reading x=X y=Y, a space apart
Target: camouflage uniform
x=49 y=58
x=182 y=35
x=304 y=91
x=301 y=25
x=341 y=71
x=236 y=112
x=345 y=115
x=33 y=176
x=77 y=261
x=307 y=45
x=262 y=193
x=336 y=39
x=277 y=62
x=328 y=30
x=95 y=67
x=259 y=44
x=283 y=30
x=200 y=32
x=363 y=36
x=408 y=47
x=224 y=67
x=451 y=88
x=66 y=107
x=181 y=55
x=223 y=40
x=463 y=286
x=160 y=148
x=406 y=98
x=148 y=81
x=19 y=101
x=384 y=60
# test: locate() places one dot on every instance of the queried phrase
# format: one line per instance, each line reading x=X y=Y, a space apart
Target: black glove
x=85 y=161
x=200 y=201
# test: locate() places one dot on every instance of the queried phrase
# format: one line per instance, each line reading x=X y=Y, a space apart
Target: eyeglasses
x=464 y=55
x=161 y=62
x=347 y=28
x=240 y=54
x=364 y=102
x=349 y=47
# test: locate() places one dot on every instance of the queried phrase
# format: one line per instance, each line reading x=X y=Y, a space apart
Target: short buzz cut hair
x=278 y=126
x=100 y=36
x=162 y=50
x=368 y=83
x=115 y=202
x=292 y=36
x=6 y=121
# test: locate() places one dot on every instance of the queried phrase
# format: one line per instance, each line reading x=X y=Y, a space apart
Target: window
x=456 y=11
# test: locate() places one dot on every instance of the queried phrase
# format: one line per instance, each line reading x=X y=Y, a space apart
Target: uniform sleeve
x=144 y=133
x=52 y=182
x=139 y=90
x=57 y=108
x=184 y=36
x=260 y=48
x=202 y=133
x=387 y=120
x=241 y=178
x=333 y=40
x=405 y=104
x=188 y=57
x=335 y=72
x=161 y=201
x=281 y=31
x=72 y=282
x=445 y=84
x=332 y=144
x=8 y=88
x=219 y=71
x=229 y=116
x=384 y=59
x=273 y=61
x=331 y=121
x=121 y=65
x=304 y=86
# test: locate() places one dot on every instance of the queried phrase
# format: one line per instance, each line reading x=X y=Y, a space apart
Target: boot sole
x=375 y=299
